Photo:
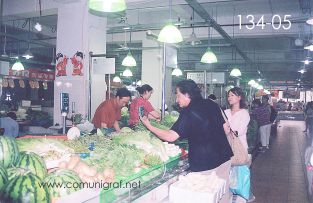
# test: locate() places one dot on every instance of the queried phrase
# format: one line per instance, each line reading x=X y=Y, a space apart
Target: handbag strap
x=226 y=120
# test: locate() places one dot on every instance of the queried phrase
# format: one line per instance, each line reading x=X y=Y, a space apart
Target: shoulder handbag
x=240 y=153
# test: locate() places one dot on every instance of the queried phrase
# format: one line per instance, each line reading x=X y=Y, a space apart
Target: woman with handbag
x=239 y=118
x=201 y=122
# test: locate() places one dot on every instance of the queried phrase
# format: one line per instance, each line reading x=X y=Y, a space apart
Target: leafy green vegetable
x=152 y=160
x=81 y=145
x=122 y=159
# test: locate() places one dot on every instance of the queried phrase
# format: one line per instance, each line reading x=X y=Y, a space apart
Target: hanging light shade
x=309 y=47
x=18 y=66
x=235 y=72
x=28 y=54
x=310 y=21
x=251 y=82
x=208 y=57
x=129 y=60
x=38 y=27
x=255 y=85
x=139 y=83
x=177 y=72
x=117 y=79
x=127 y=73
x=100 y=7
x=170 y=34
x=193 y=39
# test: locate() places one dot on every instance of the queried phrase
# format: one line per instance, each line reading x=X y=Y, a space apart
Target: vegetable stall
x=29 y=166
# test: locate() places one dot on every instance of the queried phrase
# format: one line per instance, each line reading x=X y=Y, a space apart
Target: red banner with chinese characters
x=33 y=74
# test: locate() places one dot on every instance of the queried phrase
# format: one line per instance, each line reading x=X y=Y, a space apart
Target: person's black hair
x=239 y=92
x=123 y=92
x=144 y=88
x=212 y=96
x=257 y=102
x=11 y=115
x=191 y=88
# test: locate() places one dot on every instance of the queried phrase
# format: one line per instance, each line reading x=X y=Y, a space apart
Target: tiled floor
x=278 y=174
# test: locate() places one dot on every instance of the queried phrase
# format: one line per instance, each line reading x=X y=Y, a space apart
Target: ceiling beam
x=26 y=40
x=206 y=16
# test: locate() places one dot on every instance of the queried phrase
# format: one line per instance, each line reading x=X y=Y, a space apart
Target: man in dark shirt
x=201 y=122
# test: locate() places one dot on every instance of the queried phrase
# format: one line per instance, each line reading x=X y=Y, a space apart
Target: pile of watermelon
x=23 y=176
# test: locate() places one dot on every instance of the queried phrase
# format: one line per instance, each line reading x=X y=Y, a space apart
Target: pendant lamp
x=209 y=56
x=139 y=83
x=117 y=79
x=170 y=33
x=310 y=21
x=18 y=66
x=127 y=73
x=177 y=72
x=235 y=72
x=129 y=60
x=28 y=54
x=193 y=39
x=101 y=7
x=251 y=82
x=309 y=47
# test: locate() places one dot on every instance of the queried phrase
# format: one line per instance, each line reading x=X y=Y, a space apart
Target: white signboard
x=215 y=77
x=198 y=77
x=211 y=77
x=102 y=66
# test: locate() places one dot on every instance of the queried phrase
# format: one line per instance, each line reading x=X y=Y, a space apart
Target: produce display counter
x=137 y=161
x=149 y=184
x=154 y=186
x=127 y=166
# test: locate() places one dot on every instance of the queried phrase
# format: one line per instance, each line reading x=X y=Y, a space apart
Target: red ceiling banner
x=33 y=74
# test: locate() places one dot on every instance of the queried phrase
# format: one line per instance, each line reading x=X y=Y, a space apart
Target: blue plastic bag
x=240 y=181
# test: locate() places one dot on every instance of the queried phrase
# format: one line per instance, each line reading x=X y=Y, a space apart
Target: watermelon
x=62 y=176
x=32 y=162
x=13 y=172
x=3 y=177
x=8 y=151
x=26 y=188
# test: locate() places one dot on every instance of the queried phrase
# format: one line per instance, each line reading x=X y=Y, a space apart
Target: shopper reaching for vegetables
x=201 y=122
x=145 y=92
x=108 y=112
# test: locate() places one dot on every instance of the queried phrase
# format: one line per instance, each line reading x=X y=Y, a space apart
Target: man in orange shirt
x=108 y=112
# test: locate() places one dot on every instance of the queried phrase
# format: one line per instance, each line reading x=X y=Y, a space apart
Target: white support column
x=152 y=66
x=152 y=62
x=78 y=31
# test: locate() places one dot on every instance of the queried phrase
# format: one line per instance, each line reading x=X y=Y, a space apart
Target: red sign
x=33 y=74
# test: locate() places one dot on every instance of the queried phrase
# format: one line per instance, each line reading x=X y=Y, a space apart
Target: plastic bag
x=240 y=181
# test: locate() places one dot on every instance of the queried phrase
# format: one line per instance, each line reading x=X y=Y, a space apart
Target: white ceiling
x=273 y=52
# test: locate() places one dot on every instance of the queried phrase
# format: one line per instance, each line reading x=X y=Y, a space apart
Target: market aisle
x=278 y=174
